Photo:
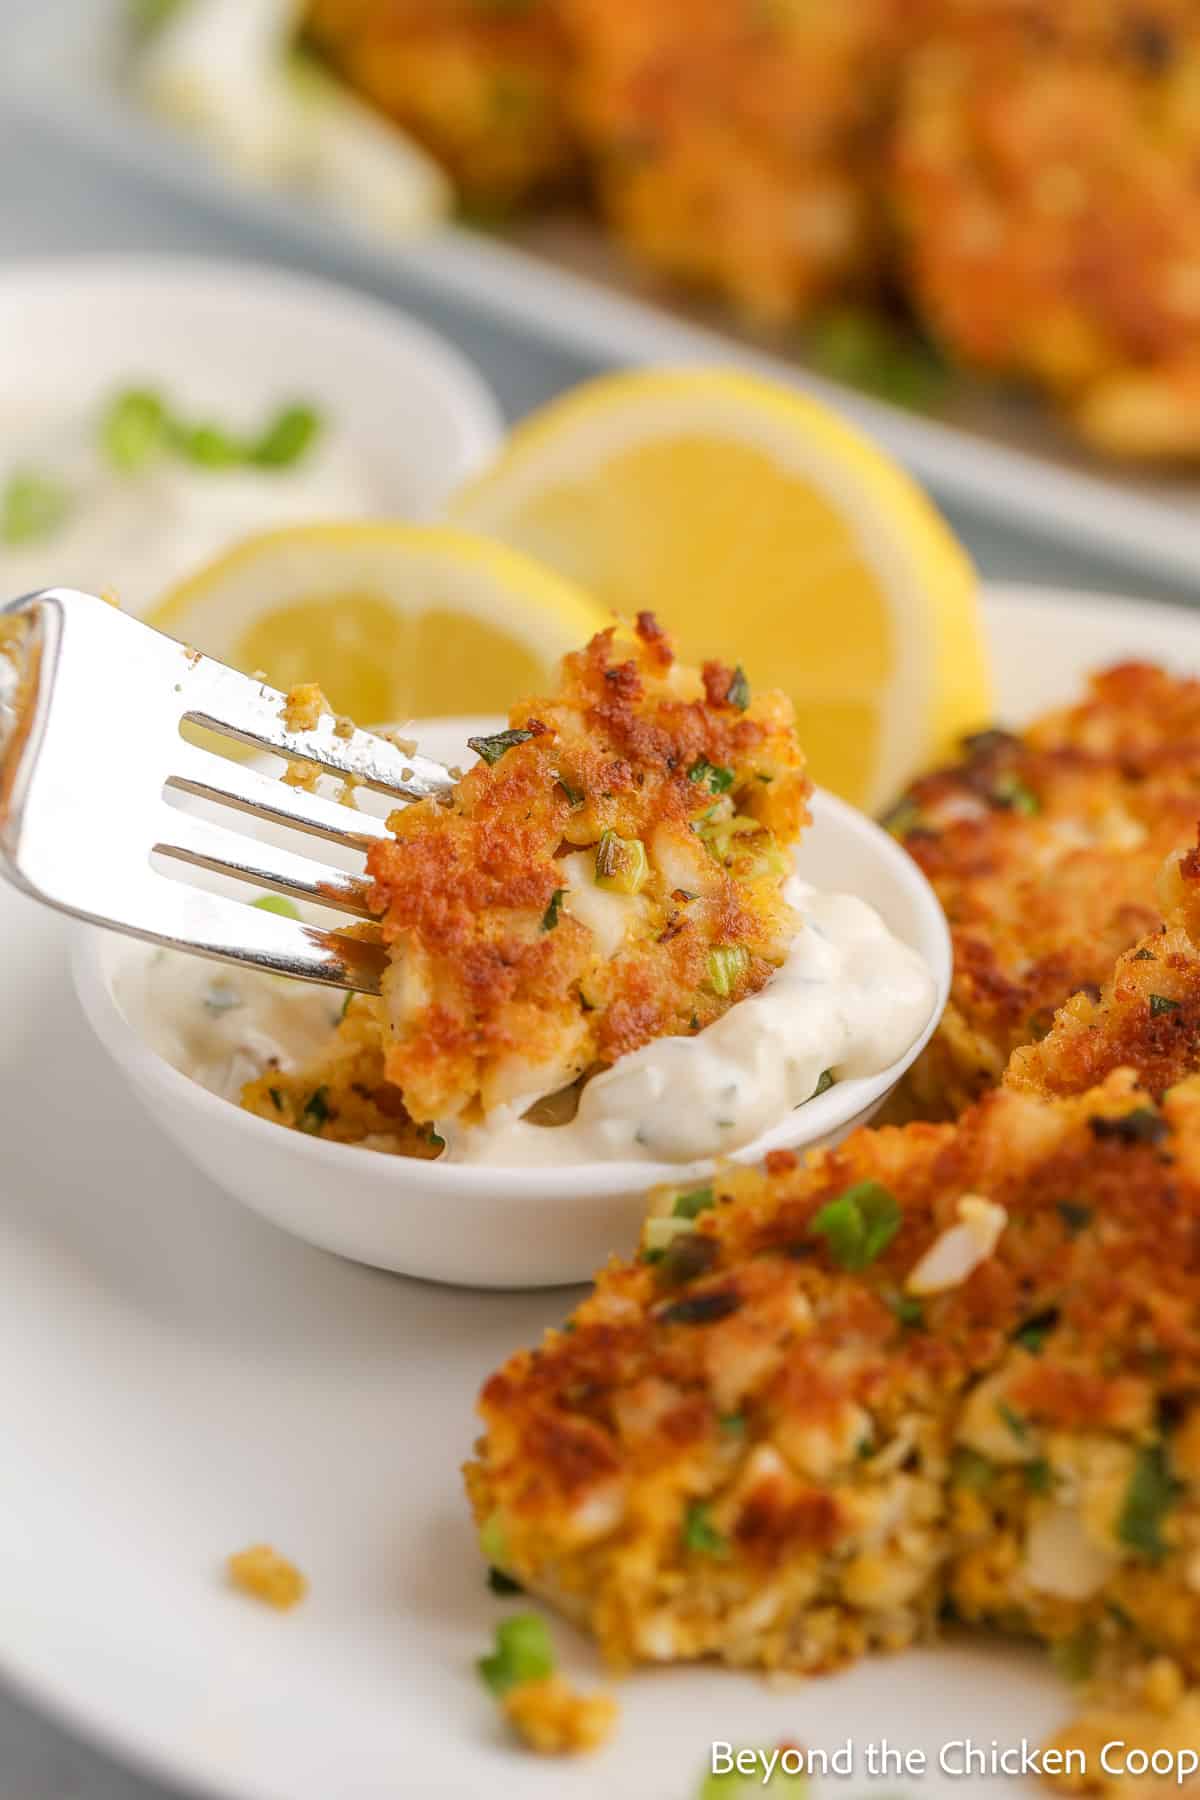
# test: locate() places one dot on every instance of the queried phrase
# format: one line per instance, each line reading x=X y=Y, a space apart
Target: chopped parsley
x=1074 y=1216
x=908 y=1309
x=1013 y=1420
x=574 y=795
x=1148 y=1498
x=492 y=748
x=971 y=1470
x=523 y=1652
x=134 y=429
x=733 y=1425
x=700 y=1534
x=717 y=780
x=702 y=1309
x=691 y=1254
x=1161 y=1003
x=276 y=1099
x=1033 y=1334
x=824 y=1083
x=316 y=1111
x=550 y=916
x=503 y=1584
x=1143 y=955
x=859 y=1224
x=738 y=692
x=1039 y=1478
x=1141 y=1126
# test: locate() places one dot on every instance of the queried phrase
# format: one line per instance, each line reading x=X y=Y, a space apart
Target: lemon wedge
x=764 y=530
x=394 y=621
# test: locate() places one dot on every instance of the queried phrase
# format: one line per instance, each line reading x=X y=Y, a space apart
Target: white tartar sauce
x=224 y=1026
x=136 y=535
x=850 y=997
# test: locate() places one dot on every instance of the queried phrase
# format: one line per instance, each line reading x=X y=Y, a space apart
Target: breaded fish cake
x=1046 y=179
x=610 y=871
x=1145 y=1018
x=731 y=143
x=940 y=1360
x=482 y=86
x=1044 y=851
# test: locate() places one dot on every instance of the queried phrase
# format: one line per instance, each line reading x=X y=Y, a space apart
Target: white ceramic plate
x=181 y=1379
x=557 y=284
x=405 y=410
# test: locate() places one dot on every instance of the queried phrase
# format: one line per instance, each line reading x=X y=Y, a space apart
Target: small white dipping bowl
x=483 y=1226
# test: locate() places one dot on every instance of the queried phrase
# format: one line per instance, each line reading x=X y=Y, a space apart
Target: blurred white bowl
x=483 y=1226
x=408 y=418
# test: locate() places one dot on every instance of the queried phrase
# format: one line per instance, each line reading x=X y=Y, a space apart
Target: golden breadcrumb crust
x=503 y=986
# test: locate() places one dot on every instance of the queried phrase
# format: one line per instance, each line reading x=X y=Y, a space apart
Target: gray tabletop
x=52 y=200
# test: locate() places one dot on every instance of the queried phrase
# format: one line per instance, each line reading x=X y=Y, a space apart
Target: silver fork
x=92 y=752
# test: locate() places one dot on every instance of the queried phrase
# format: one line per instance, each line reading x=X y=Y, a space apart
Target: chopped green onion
x=970 y=1470
x=286 y=438
x=1015 y=795
x=738 y=692
x=277 y=903
x=859 y=1224
x=209 y=445
x=691 y=1205
x=345 y=1007
x=550 y=916
x=689 y=1255
x=503 y=1584
x=726 y=966
x=276 y=1099
x=1143 y=955
x=523 y=1653
x=493 y=1539
x=621 y=864
x=33 y=506
x=316 y=1111
x=1148 y=1498
x=733 y=1425
x=824 y=1083
x=716 y=780
x=134 y=429
x=1160 y=1003
x=574 y=795
x=658 y=1234
x=491 y=749
x=700 y=1534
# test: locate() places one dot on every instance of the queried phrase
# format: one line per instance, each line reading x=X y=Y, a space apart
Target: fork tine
x=207 y=846
x=252 y=713
x=228 y=930
x=213 y=777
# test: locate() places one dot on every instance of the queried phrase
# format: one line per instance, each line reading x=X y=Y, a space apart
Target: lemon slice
x=394 y=621
x=764 y=530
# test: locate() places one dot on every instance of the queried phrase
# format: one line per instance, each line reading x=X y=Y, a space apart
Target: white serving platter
x=181 y=1379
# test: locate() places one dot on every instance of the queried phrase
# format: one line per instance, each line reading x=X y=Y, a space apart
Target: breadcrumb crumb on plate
x=555 y=1719
x=267 y=1576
